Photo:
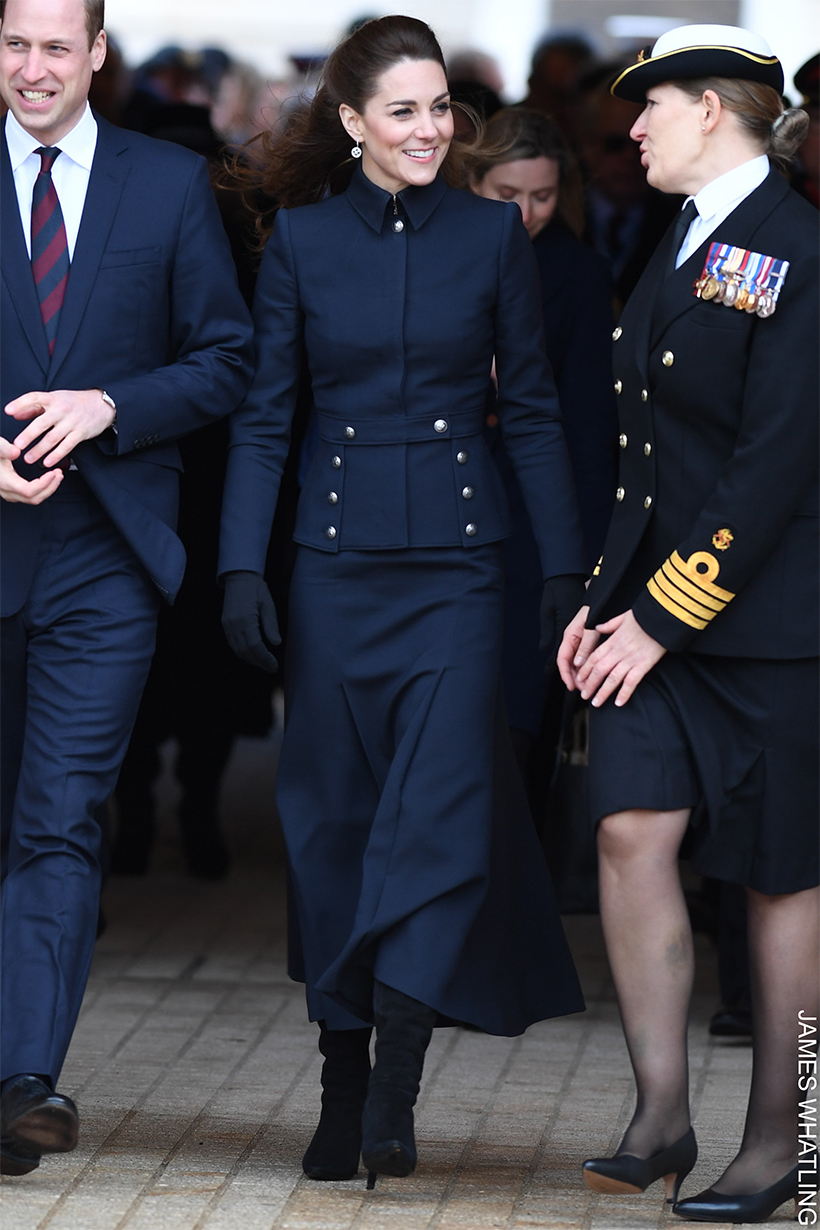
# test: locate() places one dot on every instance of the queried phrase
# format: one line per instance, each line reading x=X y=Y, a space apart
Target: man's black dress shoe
x=36 y=1120
x=731 y=1023
x=13 y=1160
x=759 y=1206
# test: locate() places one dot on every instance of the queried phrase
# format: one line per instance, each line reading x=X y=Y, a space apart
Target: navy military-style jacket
x=401 y=305
x=714 y=539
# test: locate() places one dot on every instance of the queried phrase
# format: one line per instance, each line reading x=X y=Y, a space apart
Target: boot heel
x=371 y=1180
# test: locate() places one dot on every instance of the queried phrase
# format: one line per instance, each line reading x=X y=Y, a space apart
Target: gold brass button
x=644 y=395
x=648 y=502
x=618 y=386
x=647 y=448
x=667 y=358
x=619 y=494
x=617 y=333
x=622 y=440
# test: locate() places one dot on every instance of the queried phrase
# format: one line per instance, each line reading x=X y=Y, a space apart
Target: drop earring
x=356 y=152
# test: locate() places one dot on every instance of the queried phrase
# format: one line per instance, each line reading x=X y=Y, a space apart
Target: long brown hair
x=519 y=133
x=308 y=155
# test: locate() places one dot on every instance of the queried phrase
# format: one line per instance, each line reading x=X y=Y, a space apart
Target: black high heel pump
x=759 y=1206
x=617 y=1176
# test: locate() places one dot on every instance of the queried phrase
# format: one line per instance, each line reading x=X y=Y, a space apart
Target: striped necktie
x=49 y=246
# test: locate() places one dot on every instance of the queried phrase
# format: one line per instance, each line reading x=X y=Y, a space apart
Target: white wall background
x=266 y=31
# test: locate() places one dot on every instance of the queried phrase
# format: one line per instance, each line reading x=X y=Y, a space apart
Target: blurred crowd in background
x=207 y=101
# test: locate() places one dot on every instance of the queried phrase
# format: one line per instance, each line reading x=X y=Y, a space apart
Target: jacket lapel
x=109 y=172
x=676 y=295
x=16 y=264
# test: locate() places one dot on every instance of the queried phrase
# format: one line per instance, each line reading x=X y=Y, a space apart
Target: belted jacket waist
x=399 y=329
x=401 y=481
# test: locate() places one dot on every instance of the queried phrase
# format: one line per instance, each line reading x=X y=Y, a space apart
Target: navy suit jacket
x=401 y=308
x=153 y=315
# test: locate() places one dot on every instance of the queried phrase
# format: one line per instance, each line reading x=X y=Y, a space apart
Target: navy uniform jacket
x=714 y=539
x=400 y=327
x=153 y=315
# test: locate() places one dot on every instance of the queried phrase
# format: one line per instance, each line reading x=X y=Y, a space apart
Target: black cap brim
x=692 y=62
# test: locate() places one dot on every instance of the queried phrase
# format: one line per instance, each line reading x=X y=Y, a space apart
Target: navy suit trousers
x=75 y=660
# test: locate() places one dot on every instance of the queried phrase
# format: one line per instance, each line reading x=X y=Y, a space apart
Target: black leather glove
x=249 y=619
x=561 y=601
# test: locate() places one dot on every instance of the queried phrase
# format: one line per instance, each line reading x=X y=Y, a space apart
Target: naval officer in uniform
x=698 y=645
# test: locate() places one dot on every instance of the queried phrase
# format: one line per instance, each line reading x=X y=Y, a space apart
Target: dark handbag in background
x=567 y=832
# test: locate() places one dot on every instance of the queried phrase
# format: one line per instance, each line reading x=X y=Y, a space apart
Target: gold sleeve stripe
x=683 y=599
x=683 y=583
x=673 y=607
x=703 y=580
x=688 y=593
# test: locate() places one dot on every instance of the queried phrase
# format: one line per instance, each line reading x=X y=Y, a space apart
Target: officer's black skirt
x=413 y=858
x=736 y=739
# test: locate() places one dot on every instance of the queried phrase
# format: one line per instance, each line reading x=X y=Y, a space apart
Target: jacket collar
x=372 y=202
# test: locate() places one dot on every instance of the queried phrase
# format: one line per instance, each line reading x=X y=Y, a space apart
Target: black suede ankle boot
x=333 y=1154
x=404 y=1027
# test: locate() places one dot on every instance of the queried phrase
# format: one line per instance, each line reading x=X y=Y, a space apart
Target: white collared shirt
x=70 y=172
x=718 y=199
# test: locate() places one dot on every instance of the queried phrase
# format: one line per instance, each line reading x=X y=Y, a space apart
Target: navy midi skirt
x=412 y=855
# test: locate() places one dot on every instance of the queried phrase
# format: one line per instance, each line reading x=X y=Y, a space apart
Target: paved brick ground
x=196 y=1074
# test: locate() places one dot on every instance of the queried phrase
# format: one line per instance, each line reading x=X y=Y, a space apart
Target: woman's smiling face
x=406 y=127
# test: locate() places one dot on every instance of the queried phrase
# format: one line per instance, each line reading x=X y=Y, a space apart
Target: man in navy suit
x=123 y=329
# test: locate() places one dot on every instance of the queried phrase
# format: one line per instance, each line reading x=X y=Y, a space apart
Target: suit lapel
x=16 y=264
x=109 y=172
x=676 y=295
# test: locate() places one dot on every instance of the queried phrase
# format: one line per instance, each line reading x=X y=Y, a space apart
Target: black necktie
x=684 y=220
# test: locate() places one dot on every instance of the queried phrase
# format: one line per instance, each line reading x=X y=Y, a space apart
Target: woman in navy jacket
x=416 y=898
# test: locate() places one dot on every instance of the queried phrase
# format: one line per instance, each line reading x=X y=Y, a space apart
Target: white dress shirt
x=718 y=199
x=70 y=173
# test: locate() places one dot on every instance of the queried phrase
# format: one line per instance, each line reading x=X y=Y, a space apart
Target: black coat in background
x=576 y=301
